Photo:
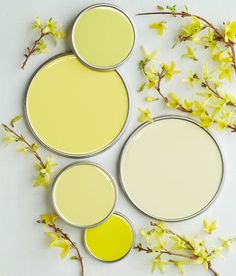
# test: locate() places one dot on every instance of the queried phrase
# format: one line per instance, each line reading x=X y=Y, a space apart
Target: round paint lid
x=112 y=240
x=171 y=169
x=103 y=36
x=84 y=194
x=76 y=111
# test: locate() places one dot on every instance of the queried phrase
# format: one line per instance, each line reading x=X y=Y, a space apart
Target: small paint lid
x=103 y=36
x=112 y=240
x=84 y=195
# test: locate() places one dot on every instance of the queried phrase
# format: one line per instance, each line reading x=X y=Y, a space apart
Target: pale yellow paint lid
x=112 y=240
x=171 y=169
x=84 y=195
x=103 y=36
x=74 y=110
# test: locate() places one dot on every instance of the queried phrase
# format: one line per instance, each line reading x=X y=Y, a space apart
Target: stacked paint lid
x=85 y=108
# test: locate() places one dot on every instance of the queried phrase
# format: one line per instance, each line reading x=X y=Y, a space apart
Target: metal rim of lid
x=76 y=155
x=101 y=68
x=122 y=182
x=132 y=245
x=79 y=163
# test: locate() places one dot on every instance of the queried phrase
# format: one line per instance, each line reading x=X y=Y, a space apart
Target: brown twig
x=148 y=250
x=191 y=248
x=219 y=95
x=180 y=107
x=219 y=35
x=65 y=236
x=169 y=231
x=33 y=49
x=30 y=147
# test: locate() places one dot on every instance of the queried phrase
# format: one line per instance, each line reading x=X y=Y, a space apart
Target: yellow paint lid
x=112 y=240
x=74 y=110
x=103 y=36
x=84 y=194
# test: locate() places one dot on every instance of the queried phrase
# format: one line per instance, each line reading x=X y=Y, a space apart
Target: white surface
x=24 y=249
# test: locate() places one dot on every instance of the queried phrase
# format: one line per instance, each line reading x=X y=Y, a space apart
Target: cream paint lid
x=171 y=169
x=76 y=111
x=103 y=36
x=84 y=194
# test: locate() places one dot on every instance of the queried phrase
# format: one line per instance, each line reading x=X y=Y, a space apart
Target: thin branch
x=180 y=107
x=172 y=233
x=218 y=94
x=164 y=251
x=65 y=236
x=30 y=147
x=33 y=49
x=190 y=249
x=219 y=35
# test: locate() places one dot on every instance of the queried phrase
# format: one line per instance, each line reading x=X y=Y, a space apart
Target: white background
x=23 y=246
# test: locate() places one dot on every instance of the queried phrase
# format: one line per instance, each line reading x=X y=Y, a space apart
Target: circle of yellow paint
x=76 y=111
x=84 y=195
x=103 y=36
x=171 y=169
x=112 y=240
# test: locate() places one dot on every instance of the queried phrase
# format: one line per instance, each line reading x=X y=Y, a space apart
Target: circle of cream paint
x=84 y=194
x=171 y=169
x=103 y=36
x=76 y=111
x=111 y=240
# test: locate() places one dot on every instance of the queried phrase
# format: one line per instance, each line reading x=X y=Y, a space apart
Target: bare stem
x=33 y=49
x=30 y=147
x=217 y=93
x=65 y=236
x=164 y=251
x=219 y=35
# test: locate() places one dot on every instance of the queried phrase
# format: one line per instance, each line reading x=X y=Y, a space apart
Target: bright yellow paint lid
x=74 y=110
x=112 y=240
x=103 y=36
x=84 y=195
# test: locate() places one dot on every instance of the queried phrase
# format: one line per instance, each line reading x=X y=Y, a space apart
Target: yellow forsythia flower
x=159 y=263
x=37 y=24
x=221 y=124
x=227 y=243
x=210 y=227
x=187 y=105
x=151 y=99
x=190 y=53
x=160 y=27
x=230 y=31
x=191 y=79
x=170 y=70
x=145 y=115
x=199 y=109
x=174 y=101
x=226 y=72
x=58 y=241
x=206 y=120
x=49 y=219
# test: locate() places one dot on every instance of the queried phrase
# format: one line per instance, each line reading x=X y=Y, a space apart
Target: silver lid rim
x=101 y=68
x=78 y=163
x=121 y=180
x=132 y=245
x=76 y=155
